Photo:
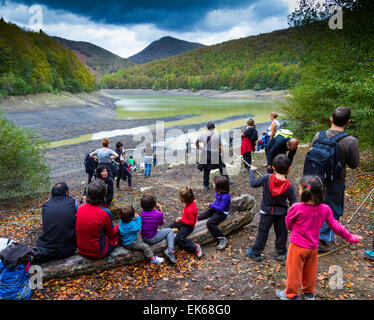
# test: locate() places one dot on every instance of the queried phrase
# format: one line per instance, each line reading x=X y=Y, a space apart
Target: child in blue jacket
x=129 y=226
x=219 y=210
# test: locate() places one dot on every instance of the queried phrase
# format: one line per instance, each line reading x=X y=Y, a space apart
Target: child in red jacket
x=186 y=224
x=249 y=138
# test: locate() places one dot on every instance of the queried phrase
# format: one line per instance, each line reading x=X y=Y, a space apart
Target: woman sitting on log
x=96 y=236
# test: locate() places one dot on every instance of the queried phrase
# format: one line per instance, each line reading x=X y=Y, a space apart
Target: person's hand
x=253 y=168
x=84 y=199
x=359 y=238
x=270 y=168
x=158 y=207
x=177 y=219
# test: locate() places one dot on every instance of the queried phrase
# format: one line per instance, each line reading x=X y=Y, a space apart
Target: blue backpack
x=323 y=158
x=14 y=283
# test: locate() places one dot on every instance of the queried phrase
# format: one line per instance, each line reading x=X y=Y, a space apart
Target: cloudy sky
x=126 y=27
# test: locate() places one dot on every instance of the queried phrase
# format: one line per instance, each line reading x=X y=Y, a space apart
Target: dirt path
x=218 y=275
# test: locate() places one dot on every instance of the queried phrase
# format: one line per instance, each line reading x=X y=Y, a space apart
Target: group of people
x=312 y=222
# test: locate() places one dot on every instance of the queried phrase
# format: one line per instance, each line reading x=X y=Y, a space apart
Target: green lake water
x=193 y=109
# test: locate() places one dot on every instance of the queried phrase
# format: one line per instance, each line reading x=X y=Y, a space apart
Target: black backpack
x=323 y=158
x=90 y=164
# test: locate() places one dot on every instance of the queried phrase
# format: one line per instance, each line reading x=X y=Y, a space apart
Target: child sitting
x=151 y=218
x=249 y=138
x=277 y=189
x=218 y=210
x=305 y=220
x=186 y=224
x=129 y=226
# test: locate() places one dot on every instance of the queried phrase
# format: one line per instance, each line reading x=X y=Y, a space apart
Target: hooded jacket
x=275 y=194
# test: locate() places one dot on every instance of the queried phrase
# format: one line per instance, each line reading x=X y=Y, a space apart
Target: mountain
x=269 y=60
x=98 y=60
x=164 y=48
x=33 y=62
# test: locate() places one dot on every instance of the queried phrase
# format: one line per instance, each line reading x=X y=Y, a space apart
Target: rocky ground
x=229 y=274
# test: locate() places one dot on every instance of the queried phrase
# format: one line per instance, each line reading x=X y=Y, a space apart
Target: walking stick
x=350 y=219
x=332 y=251
x=367 y=197
x=246 y=163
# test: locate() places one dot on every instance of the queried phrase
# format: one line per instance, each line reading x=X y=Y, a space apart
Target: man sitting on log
x=58 y=240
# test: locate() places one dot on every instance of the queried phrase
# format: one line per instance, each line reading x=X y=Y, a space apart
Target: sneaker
x=324 y=246
x=253 y=256
x=369 y=254
x=170 y=256
x=281 y=257
x=222 y=243
x=309 y=296
x=157 y=260
x=281 y=294
x=198 y=251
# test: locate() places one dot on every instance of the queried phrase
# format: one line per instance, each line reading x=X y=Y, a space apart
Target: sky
x=126 y=27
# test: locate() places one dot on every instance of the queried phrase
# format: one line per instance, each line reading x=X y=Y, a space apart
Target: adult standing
x=104 y=156
x=280 y=145
x=96 y=236
x=123 y=172
x=58 y=240
x=211 y=154
x=348 y=155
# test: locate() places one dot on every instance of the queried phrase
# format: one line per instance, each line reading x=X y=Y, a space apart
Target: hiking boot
x=170 y=256
x=309 y=296
x=253 y=256
x=222 y=243
x=281 y=294
x=281 y=257
x=199 y=252
x=369 y=254
x=157 y=260
x=324 y=246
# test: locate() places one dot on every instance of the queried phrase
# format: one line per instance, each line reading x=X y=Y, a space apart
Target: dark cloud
x=174 y=15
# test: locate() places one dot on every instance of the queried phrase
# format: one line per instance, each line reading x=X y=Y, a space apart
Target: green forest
x=32 y=62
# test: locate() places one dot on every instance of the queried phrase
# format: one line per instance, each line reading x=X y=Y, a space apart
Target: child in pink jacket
x=304 y=220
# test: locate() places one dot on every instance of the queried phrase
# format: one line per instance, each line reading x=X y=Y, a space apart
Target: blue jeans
x=161 y=235
x=335 y=200
x=147 y=169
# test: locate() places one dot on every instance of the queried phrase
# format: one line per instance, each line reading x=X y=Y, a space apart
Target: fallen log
x=241 y=213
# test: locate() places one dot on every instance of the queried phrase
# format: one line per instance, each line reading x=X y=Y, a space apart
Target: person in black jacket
x=277 y=189
x=90 y=166
x=280 y=145
x=123 y=171
x=58 y=240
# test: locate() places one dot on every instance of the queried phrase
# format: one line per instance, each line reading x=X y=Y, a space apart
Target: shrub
x=23 y=170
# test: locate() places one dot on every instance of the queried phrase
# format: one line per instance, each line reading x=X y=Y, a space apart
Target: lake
x=181 y=110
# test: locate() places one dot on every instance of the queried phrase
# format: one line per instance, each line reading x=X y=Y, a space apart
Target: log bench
x=242 y=212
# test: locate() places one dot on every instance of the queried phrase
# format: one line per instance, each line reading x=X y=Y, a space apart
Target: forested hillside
x=267 y=60
x=32 y=62
x=99 y=60
x=338 y=70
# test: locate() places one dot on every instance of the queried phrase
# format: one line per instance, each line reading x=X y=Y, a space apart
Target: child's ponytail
x=312 y=187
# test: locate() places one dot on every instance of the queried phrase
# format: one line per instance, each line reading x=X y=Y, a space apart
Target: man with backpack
x=331 y=151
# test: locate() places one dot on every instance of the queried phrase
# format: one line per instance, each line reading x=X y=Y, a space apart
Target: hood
x=277 y=186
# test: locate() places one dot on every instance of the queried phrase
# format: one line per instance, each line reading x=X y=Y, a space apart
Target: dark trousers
x=48 y=254
x=266 y=221
x=123 y=173
x=90 y=175
x=247 y=156
x=215 y=217
x=206 y=174
x=181 y=238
